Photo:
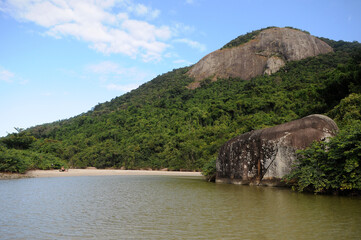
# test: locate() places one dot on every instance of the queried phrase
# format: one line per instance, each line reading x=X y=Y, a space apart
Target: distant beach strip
x=95 y=172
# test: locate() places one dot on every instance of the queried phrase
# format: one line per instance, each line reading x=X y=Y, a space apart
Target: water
x=165 y=207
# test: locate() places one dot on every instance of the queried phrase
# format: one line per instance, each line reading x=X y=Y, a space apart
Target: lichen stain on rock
x=265 y=54
x=264 y=156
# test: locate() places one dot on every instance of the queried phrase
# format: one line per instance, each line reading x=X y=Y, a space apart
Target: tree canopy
x=163 y=124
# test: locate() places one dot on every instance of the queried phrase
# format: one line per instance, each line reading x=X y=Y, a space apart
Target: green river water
x=167 y=207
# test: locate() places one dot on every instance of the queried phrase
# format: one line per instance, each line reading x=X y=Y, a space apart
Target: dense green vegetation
x=334 y=166
x=163 y=124
x=331 y=167
x=20 y=152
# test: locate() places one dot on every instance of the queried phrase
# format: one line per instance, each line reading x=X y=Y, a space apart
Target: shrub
x=20 y=161
x=332 y=166
x=209 y=170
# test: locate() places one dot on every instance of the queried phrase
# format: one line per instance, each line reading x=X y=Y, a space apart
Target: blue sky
x=59 y=58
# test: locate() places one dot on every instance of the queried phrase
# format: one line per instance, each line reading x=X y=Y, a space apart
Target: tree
x=333 y=166
x=21 y=140
x=348 y=110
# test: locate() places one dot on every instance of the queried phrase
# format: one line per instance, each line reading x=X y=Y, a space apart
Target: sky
x=60 y=58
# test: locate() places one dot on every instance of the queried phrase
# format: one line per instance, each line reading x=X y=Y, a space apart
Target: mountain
x=265 y=52
x=165 y=123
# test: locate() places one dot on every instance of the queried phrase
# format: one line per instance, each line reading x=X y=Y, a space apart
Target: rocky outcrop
x=265 y=54
x=265 y=156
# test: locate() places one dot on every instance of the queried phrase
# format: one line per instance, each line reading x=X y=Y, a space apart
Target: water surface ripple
x=168 y=207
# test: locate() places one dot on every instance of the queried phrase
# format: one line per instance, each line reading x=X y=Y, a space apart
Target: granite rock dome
x=266 y=53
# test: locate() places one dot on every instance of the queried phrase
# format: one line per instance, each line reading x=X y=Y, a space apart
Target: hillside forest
x=163 y=124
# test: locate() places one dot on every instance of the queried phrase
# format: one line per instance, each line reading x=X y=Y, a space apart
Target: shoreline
x=95 y=172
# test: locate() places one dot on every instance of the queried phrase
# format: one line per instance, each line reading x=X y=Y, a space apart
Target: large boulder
x=265 y=156
x=265 y=54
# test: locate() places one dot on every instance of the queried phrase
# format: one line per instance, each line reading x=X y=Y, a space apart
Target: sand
x=105 y=172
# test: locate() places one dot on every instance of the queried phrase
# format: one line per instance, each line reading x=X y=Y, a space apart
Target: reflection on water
x=165 y=207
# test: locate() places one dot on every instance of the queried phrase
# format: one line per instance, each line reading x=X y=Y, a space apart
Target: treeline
x=20 y=152
x=163 y=124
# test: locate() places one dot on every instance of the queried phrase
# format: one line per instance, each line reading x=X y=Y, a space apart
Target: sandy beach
x=104 y=172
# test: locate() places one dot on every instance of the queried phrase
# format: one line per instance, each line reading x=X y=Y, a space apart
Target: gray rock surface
x=265 y=156
x=265 y=54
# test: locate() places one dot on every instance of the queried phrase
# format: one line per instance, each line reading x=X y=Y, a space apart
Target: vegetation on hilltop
x=251 y=35
x=163 y=124
x=244 y=38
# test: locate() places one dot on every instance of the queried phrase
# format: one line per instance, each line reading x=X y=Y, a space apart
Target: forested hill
x=164 y=124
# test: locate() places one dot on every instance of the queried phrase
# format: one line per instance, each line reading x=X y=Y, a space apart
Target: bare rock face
x=265 y=156
x=265 y=54
x=273 y=65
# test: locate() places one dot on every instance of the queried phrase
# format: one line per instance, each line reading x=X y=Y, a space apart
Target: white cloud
x=190 y=1
x=193 y=44
x=105 y=25
x=141 y=10
x=10 y=77
x=106 y=67
x=6 y=75
x=46 y=94
x=24 y=81
x=182 y=62
x=121 y=88
x=180 y=29
x=117 y=78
